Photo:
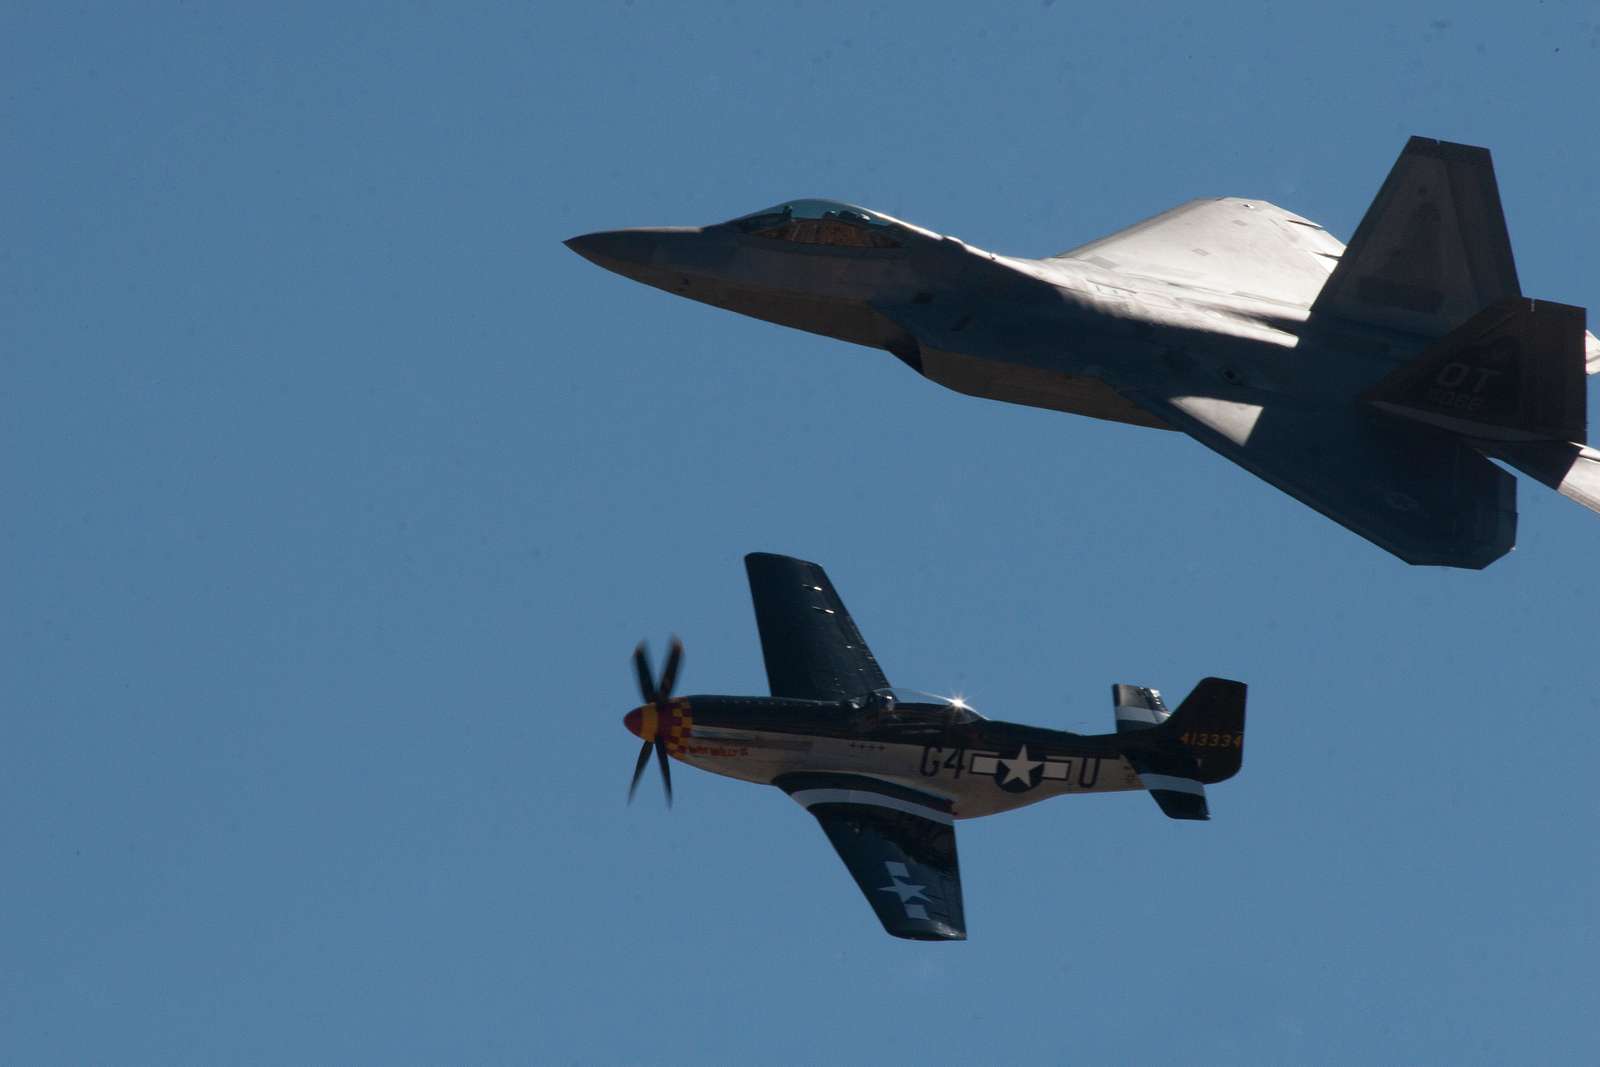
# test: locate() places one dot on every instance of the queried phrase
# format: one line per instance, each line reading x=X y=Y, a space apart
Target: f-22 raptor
x=887 y=772
x=1372 y=381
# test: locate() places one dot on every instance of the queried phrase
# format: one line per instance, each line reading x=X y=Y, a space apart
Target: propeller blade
x=669 y=673
x=638 y=770
x=641 y=664
x=666 y=768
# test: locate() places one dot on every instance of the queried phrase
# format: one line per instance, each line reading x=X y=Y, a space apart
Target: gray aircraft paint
x=1217 y=318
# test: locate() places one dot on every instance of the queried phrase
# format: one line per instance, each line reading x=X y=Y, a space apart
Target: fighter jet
x=888 y=771
x=1372 y=381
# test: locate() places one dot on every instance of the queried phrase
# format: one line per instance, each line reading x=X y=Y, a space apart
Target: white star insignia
x=905 y=890
x=1020 y=768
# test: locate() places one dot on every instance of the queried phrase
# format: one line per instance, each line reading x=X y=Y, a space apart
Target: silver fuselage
x=1048 y=333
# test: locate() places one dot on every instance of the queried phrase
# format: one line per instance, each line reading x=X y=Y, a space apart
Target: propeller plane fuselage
x=981 y=767
x=887 y=772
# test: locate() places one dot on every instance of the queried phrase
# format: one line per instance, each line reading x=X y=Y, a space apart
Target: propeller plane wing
x=811 y=645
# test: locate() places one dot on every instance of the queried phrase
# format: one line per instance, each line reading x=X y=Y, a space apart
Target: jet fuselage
x=1373 y=382
x=1057 y=334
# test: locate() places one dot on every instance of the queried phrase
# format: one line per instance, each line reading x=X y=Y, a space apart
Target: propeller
x=658 y=694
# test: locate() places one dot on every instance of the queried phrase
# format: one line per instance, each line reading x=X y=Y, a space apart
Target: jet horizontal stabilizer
x=1427 y=497
x=1571 y=469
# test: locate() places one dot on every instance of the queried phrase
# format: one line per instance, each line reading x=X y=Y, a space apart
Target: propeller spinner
x=647 y=721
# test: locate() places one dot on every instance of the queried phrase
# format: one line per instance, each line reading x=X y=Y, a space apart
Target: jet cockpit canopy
x=820 y=222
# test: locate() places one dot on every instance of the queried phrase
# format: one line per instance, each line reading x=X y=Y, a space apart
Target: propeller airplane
x=887 y=771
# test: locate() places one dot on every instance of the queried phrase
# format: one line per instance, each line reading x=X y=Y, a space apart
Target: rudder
x=1209 y=727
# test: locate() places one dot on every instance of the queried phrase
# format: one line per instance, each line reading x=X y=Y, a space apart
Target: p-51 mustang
x=887 y=772
x=1371 y=382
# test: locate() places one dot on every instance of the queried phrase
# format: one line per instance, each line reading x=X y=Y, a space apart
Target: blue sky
x=339 y=492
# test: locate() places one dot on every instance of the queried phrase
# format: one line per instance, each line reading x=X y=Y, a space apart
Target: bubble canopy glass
x=819 y=222
x=909 y=701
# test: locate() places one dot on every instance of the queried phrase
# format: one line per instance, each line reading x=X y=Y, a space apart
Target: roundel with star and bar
x=1019 y=773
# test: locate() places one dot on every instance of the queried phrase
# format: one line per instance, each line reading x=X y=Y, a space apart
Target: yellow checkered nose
x=671 y=722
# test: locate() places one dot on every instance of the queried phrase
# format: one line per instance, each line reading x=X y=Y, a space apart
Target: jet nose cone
x=633 y=721
x=645 y=254
x=614 y=248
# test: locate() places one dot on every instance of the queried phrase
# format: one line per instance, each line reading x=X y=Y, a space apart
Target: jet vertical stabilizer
x=1513 y=372
x=1432 y=249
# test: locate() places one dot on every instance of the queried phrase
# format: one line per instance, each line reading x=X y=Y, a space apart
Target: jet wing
x=1226 y=245
x=811 y=645
x=900 y=847
x=1423 y=496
